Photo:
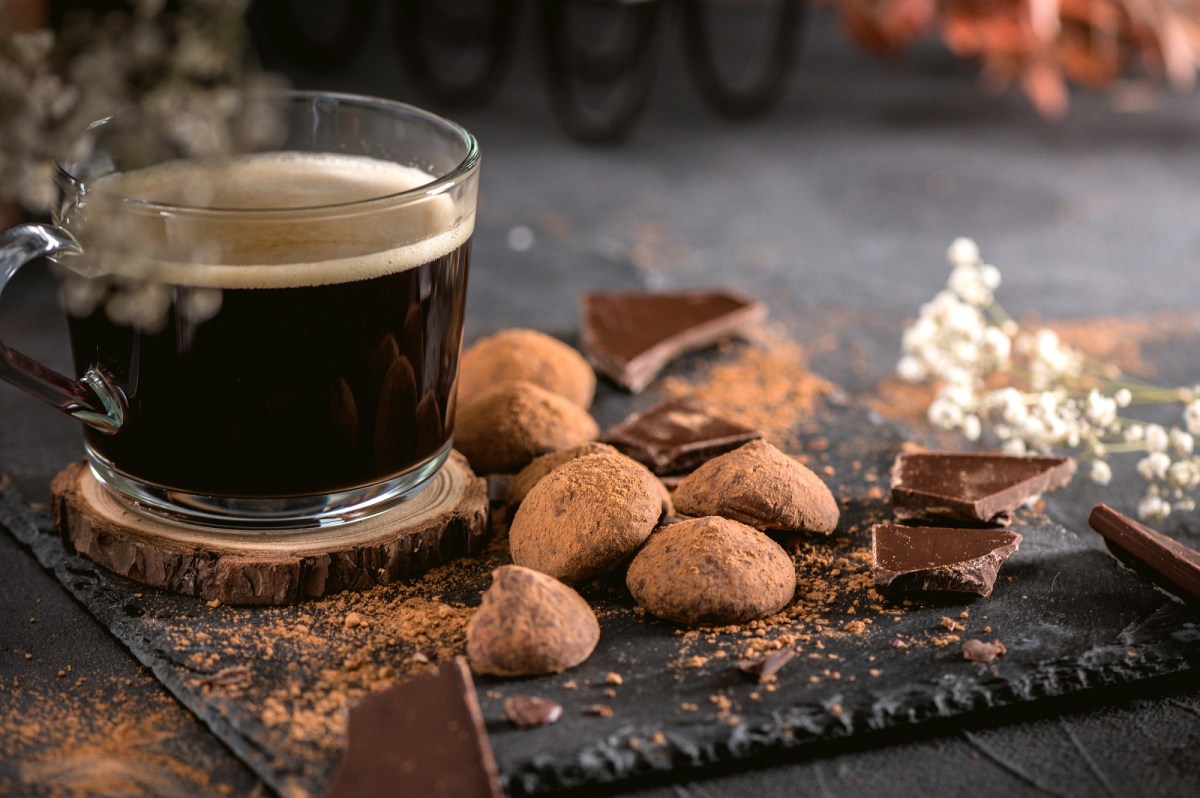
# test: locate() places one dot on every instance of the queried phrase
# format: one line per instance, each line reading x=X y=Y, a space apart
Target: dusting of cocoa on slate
x=99 y=740
x=765 y=385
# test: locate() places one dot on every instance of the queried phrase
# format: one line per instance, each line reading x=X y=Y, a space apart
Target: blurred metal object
x=617 y=72
x=764 y=89
x=599 y=56
x=324 y=35
x=432 y=36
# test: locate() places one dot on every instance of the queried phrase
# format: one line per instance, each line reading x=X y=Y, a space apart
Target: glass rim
x=438 y=185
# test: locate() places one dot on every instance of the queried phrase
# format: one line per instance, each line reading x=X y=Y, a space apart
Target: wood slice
x=447 y=519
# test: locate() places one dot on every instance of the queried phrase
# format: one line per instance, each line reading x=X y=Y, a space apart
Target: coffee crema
x=331 y=361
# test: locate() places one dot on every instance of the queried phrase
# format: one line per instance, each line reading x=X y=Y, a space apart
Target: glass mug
x=267 y=340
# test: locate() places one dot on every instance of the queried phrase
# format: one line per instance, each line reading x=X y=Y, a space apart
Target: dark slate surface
x=1071 y=617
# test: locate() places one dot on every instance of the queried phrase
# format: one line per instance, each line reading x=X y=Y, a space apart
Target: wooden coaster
x=447 y=519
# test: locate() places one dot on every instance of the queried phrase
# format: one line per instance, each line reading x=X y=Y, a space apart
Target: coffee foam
x=280 y=244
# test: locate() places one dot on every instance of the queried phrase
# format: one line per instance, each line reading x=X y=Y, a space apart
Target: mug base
x=312 y=511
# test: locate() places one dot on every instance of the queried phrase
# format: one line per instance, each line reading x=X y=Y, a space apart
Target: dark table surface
x=837 y=208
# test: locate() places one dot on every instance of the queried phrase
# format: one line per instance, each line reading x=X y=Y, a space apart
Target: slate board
x=1071 y=617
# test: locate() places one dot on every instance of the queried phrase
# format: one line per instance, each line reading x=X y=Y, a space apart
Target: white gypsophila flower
x=1100 y=410
x=1123 y=397
x=1134 y=433
x=1154 y=466
x=963 y=252
x=1014 y=446
x=972 y=427
x=1101 y=472
x=1184 y=474
x=1181 y=442
x=945 y=414
x=996 y=345
x=912 y=369
x=1185 y=505
x=990 y=276
x=1191 y=416
x=1153 y=508
x=967 y=281
x=1157 y=439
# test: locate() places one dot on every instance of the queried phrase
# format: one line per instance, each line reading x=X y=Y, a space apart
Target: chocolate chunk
x=1166 y=562
x=425 y=737
x=630 y=337
x=527 y=711
x=675 y=436
x=764 y=669
x=980 y=651
x=934 y=559
x=974 y=487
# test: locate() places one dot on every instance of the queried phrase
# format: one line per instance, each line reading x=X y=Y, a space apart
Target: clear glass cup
x=268 y=339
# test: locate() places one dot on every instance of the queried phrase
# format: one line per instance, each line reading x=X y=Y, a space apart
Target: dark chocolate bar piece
x=675 y=436
x=630 y=336
x=423 y=737
x=980 y=487
x=1166 y=562
x=939 y=559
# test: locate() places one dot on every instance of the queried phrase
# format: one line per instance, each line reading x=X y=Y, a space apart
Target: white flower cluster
x=1052 y=396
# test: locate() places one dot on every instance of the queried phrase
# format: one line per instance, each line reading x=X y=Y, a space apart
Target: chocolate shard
x=979 y=487
x=1166 y=562
x=630 y=336
x=939 y=559
x=981 y=651
x=675 y=436
x=423 y=737
x=527 y=711
x=765 y=669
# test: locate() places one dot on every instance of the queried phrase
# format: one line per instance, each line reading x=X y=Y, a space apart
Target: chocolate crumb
x=951 y=625
x=600 y=710
x=612 y=677
x=527 y=711
x=979 y=651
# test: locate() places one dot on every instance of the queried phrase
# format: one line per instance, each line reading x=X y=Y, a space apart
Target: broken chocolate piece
x=675 y=436
x=978 y=487
x=1166 y=562
x=980 y=651
x=629 y=337
x=423 y=737
x=939 y=559
x=764 y=669
x=527 y=711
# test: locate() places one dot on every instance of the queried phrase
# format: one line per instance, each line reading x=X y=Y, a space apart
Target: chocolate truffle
x=525 y=356
x=586 y=517
x=506 y=427
x=529 y=624
x=711 y=571
x=761 y=486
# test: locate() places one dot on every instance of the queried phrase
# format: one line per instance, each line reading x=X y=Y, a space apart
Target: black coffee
x=312 y=376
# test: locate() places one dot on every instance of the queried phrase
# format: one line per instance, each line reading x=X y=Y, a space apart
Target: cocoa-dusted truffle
x=525 y=356
x=711 y=571
x=761 y=486
x=506 y=427
x=586 y=517
x=531 y=474
x=529 y=624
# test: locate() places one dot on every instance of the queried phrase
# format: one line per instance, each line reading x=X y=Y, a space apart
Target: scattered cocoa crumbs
x=764 y=385
x=600 y=710
x=613 y=677
x=765 y=669
x=951 y=625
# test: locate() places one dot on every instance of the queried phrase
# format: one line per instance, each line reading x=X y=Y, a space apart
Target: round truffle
x=761 y=486
x=711 y=571
x=586 y=517
x=531 y=474
x=529 y=624
x=525 y=356
x=506 y=427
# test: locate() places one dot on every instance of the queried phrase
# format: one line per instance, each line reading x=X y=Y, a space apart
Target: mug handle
x=95 y=399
